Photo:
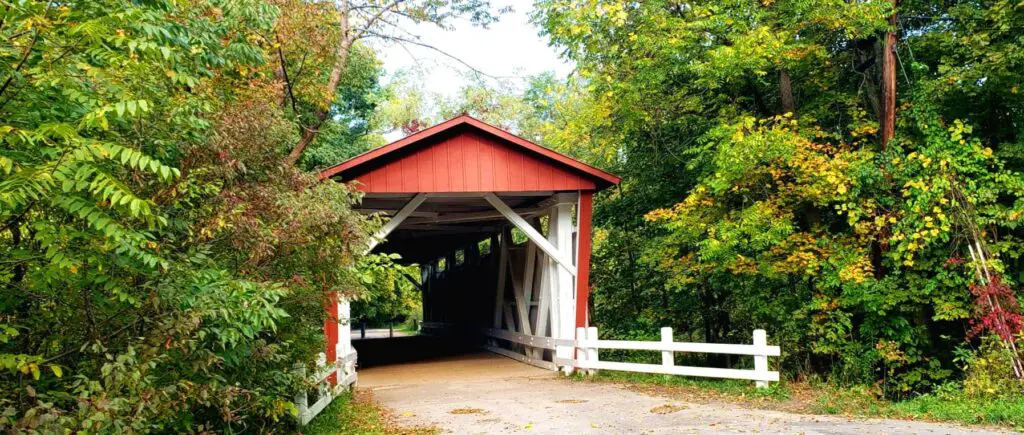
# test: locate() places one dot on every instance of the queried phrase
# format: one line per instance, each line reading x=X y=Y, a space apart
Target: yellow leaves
x=890 y=351
x=660 y=214
x=987 y=152
x=841 y=189
x=858 y=271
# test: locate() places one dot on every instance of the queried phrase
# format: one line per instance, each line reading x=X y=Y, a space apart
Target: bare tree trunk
x=888 y=118
x=786 y=93
x=310 y=132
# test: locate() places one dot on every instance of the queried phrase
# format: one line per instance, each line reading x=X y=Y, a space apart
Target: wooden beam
x=526 y=292
x=563 y=307
x=556 y=199
x=410 y=226
x=561 y=258
x=389 y=212
x=583 y=251
x=413 y=281
x=499 y=295
x=451 y=218
x=397 y=220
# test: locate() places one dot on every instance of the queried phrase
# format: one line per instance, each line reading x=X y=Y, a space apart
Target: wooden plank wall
x=470 y=162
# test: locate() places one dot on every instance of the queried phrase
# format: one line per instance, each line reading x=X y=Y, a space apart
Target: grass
x=357 y=414
x=407 y=328
x=999 y=411
x=823 y=398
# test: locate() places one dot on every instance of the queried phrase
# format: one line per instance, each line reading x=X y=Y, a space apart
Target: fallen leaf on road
x=467 y=411
x=667 y=409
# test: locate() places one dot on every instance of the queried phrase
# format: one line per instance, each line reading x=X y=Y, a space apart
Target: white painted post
x=544 y=298
x=301 y=400
x=761 y=361
x=592 y=352
x=562 y=290
x=667 y=356
x=344 y=348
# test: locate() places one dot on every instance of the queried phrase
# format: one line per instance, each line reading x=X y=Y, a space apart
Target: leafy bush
x=160 y=269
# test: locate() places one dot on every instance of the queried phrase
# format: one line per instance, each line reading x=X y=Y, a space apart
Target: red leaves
x=997 y=308
x=953 y=261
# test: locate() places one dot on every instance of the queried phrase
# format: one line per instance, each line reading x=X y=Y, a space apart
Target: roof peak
x=604 y=179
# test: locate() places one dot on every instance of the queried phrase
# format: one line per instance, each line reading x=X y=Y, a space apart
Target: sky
x=510 y=49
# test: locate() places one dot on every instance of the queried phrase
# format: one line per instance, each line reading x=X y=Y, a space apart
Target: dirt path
x=482 y=393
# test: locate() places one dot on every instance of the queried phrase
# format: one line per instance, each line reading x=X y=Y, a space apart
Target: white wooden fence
x=344 y=367
x=346 y=371
x=588 y=347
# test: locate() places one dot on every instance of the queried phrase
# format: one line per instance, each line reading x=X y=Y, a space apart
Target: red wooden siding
x=586 y=208
x=470 y=161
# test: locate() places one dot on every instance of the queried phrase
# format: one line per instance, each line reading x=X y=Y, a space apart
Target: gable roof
x=365 y=163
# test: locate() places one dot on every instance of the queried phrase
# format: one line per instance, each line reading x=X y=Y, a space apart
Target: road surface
x=483 y=393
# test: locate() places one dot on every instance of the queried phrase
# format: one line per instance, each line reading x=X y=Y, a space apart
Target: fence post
x=592 y=352
x=301 y=400
x=761 y=361
x=667 y=356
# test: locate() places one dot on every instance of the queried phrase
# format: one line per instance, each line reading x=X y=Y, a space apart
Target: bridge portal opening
x=500 y=229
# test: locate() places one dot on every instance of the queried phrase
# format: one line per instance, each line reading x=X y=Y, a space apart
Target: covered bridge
x=501 y=230
x=454 y=192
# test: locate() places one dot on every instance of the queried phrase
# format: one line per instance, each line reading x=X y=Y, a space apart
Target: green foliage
x=353 y=114
x=795 y=219
x=391 y=295
x=160 y=271
x=163 y=265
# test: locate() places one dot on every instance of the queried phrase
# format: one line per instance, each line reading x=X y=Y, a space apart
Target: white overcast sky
x=511 y=47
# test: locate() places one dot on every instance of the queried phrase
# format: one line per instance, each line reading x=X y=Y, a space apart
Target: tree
x=365 y=20
x=780 y=188
x=160 y=271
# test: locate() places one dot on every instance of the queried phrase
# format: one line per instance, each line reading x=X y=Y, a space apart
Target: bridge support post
x=563 y=292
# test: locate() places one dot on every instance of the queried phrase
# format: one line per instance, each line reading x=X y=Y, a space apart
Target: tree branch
x=402 y=40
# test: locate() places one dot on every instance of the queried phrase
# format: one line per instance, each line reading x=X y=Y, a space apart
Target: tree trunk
x=310 y=132
x=888 y=118
x=758 y=98
x=786 y=93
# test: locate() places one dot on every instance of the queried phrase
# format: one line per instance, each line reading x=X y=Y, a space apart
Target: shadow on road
x=375 y=352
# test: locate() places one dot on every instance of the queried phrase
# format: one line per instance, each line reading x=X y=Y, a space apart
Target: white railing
x=588 y=344
x=345 y=368
x=529 y=341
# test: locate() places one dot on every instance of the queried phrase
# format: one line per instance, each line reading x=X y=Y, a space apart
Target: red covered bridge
x=454 y=192
x=466 y=202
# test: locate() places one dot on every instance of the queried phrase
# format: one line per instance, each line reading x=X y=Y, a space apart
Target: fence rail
x=345 y=370
x=588 y=347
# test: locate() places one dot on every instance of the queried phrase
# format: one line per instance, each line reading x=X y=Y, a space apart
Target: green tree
x=747 y=133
